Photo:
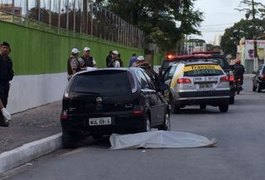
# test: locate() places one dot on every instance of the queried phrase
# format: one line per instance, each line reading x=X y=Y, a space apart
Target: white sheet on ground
x=159 y=139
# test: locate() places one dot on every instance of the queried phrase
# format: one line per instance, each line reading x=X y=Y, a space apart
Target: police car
x=196 y=83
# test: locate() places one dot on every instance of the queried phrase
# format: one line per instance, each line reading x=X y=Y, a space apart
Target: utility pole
x=254 y=38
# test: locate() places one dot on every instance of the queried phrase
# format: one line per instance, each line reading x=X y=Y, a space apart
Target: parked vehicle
x=196 y=83
x=105 y=101
x=239 y=83
x=258 y=81
x=208 y=56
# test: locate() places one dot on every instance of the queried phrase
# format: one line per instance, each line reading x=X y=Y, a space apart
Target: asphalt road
x=239 y=154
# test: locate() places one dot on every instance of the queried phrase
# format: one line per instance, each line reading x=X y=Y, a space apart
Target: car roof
x=108 y=69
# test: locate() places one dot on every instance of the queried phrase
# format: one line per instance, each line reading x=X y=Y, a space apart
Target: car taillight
x=138 y=110
x=183 y=81
x=224 y=79
x=64 y=115
x=231 y=78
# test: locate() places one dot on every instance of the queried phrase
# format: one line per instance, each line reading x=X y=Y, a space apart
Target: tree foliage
x=243 y=28
x=258 y=10
x=248 y=29
x=158 y=18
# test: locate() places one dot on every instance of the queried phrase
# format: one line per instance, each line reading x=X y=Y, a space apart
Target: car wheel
x=232 y=100
x=174 y=107
x=147 y=124
x=70 y=139
x=223 y=107
x=254 y=88
x=166 y=123
x=259 y=89
x=202 y=106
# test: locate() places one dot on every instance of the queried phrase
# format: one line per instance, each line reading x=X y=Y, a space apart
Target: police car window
x=170 y=73
x=203 y=72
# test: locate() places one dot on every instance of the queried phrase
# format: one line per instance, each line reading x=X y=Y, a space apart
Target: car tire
x=147 y=123
x=223 y=107
x=173 y=105
x=232 y=100
x=254 y=88
x=70 y=139
x=166 y=123
x=202 y=106
x=258 y=87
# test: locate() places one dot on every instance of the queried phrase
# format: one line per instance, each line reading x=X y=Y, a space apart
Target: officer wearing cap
x=6 y=75
x=87 y=60
x=73 y=64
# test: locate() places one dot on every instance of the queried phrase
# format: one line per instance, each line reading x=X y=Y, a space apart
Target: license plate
x=99 y=121
x=206 y=87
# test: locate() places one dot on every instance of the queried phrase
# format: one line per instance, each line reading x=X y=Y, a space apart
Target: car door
x=151 y=98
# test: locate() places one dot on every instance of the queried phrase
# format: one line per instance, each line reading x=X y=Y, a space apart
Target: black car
x=111 y=100
x=259 y=79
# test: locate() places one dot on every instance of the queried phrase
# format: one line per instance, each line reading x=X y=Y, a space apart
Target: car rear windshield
x=222 y=62
x=103 y=82
x=203 y=70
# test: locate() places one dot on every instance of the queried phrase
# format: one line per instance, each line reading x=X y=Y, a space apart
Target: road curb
x=29 y=151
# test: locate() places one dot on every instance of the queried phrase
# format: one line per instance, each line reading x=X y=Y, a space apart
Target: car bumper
x=119 y=124
x=208 y=98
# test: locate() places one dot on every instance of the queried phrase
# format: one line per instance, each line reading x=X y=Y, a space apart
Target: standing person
x=132 y=59
x=109 y=60
x=141 y=63
x=87 y=60
x=73 y=64
x=116 y=61
x=6 y=75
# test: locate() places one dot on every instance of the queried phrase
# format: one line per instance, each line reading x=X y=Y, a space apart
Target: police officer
x=87 y=60
x=73 y=64
x=6 y=75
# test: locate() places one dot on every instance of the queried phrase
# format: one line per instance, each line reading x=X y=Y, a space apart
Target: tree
x=158 y=18
x=243 y=28
x=251 y=7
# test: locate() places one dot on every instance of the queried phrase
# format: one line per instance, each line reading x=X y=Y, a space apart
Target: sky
x=218 y=15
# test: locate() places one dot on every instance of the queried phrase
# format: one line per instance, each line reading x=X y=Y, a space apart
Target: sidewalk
x=31 y=134
x=31 y=125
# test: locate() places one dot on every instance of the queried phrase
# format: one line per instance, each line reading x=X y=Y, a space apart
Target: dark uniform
x=6 y=75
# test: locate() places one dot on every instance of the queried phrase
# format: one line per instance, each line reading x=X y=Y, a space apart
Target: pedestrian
x=132 y=59
x=73 y=64
x=141 y=63
x=87 y=60
x=6 y=75
x=109 y=60
x=116 y=61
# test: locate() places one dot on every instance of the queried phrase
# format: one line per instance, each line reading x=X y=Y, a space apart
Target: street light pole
x=254 y=38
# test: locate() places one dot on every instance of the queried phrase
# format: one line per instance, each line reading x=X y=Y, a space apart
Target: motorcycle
x=238 y=83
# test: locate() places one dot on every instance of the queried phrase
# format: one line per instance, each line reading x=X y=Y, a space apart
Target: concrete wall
x=39 y=59
x=28 y=91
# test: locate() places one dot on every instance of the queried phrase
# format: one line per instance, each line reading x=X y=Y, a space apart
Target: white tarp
x=159 y=139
